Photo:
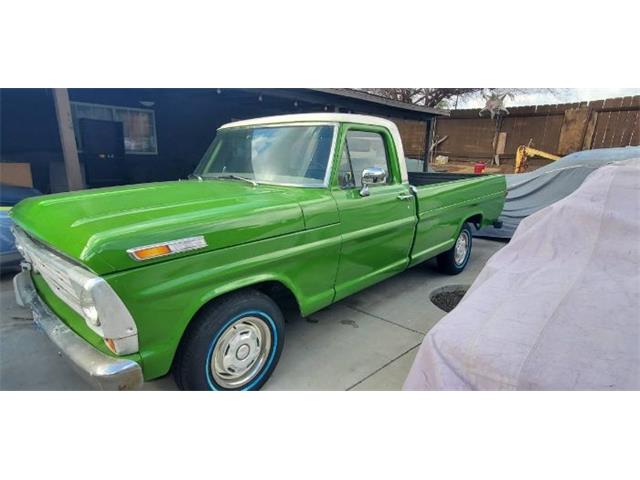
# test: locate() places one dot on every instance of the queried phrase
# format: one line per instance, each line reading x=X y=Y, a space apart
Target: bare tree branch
x=439 y=97
x=430 y=97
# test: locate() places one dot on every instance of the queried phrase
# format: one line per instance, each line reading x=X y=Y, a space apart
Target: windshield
x=288 y=155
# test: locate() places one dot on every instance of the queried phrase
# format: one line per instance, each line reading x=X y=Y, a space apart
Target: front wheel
x=455 y=259
x=234 y=344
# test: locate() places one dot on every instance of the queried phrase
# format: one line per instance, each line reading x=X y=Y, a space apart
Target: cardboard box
x=18 y=174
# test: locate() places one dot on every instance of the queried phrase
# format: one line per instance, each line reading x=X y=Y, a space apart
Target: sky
x=561 y=95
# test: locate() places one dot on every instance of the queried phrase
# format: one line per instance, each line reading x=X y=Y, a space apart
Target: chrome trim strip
x=59 y=274
x=101 y=370
x=327 y=175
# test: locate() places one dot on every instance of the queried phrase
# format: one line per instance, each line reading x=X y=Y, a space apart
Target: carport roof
x=369 y=97
x=355 y=101
x=347 y=99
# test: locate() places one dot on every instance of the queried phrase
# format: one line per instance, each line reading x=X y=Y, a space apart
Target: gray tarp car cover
x=529 y=192
x=556 y=308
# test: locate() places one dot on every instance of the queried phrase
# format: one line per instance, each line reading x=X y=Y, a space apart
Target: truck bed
x=419 y=179
x=445 y=201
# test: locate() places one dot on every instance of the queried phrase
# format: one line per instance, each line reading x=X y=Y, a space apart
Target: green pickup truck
x=283 y=214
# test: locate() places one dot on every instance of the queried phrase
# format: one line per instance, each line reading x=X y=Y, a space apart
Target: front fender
x=164 y=297
x=245 y=282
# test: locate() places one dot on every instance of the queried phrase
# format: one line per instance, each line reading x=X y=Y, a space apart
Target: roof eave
x=367 y=97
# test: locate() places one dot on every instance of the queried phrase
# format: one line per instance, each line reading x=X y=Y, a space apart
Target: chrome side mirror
x=372 y=176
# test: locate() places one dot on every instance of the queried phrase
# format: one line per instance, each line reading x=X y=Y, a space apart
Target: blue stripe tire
x=191 y=367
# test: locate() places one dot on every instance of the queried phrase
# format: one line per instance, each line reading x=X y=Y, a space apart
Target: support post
x=431 y=125
x=67 y=139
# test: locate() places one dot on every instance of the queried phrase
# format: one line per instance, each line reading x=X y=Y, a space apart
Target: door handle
x=404 y=196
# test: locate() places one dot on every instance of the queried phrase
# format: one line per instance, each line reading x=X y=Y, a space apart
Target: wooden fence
x=414 y=137
x=559 y=129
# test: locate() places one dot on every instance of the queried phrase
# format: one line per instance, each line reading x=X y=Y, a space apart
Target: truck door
x=377 y=229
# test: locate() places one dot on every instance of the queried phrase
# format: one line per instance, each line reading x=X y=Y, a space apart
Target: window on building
x=138 y=125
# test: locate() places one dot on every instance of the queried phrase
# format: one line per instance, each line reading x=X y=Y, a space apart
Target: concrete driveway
x=365 y=342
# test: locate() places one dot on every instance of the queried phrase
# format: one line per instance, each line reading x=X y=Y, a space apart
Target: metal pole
x=67 y=139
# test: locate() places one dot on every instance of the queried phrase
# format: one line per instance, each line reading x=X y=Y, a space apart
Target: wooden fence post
x=431 y=126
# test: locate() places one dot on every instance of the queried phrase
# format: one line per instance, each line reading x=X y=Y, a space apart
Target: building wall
x=29 y=132
x=185 y=121
x=185 y=125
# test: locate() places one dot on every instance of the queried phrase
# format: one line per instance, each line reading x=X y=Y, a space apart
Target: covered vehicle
x=557 y=308
x=529 y=192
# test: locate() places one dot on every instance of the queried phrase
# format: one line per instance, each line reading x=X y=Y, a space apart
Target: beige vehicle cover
x=558 y=308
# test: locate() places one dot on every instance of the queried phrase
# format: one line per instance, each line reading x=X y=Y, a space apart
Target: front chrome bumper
x=101 y=370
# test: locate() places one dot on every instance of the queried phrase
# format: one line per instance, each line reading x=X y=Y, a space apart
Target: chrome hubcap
x=240 y=352
x=461 y=248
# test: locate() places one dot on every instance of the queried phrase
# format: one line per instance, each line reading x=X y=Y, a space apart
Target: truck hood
x=96 y=227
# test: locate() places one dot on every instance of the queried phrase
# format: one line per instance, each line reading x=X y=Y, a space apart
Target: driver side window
x=361 y=150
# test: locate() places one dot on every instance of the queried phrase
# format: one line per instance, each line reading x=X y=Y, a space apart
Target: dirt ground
x=467 y=166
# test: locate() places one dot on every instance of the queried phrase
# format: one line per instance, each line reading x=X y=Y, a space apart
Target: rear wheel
x=235 y=344
x=455 y=259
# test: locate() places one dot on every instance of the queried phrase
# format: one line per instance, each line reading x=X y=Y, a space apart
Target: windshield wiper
x=238 y=177
x=196 y=176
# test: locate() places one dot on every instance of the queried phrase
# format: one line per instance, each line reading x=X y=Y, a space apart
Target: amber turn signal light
x=151 y=252
x=110 y=344
x=167 y=248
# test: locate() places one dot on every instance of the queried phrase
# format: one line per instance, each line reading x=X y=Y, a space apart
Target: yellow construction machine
x=525 y=151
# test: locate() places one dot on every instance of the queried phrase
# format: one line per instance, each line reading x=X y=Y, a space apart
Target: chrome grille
x=58 y=273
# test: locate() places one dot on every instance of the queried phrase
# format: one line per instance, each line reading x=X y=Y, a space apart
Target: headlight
x=105 y=314
x=88 y=306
